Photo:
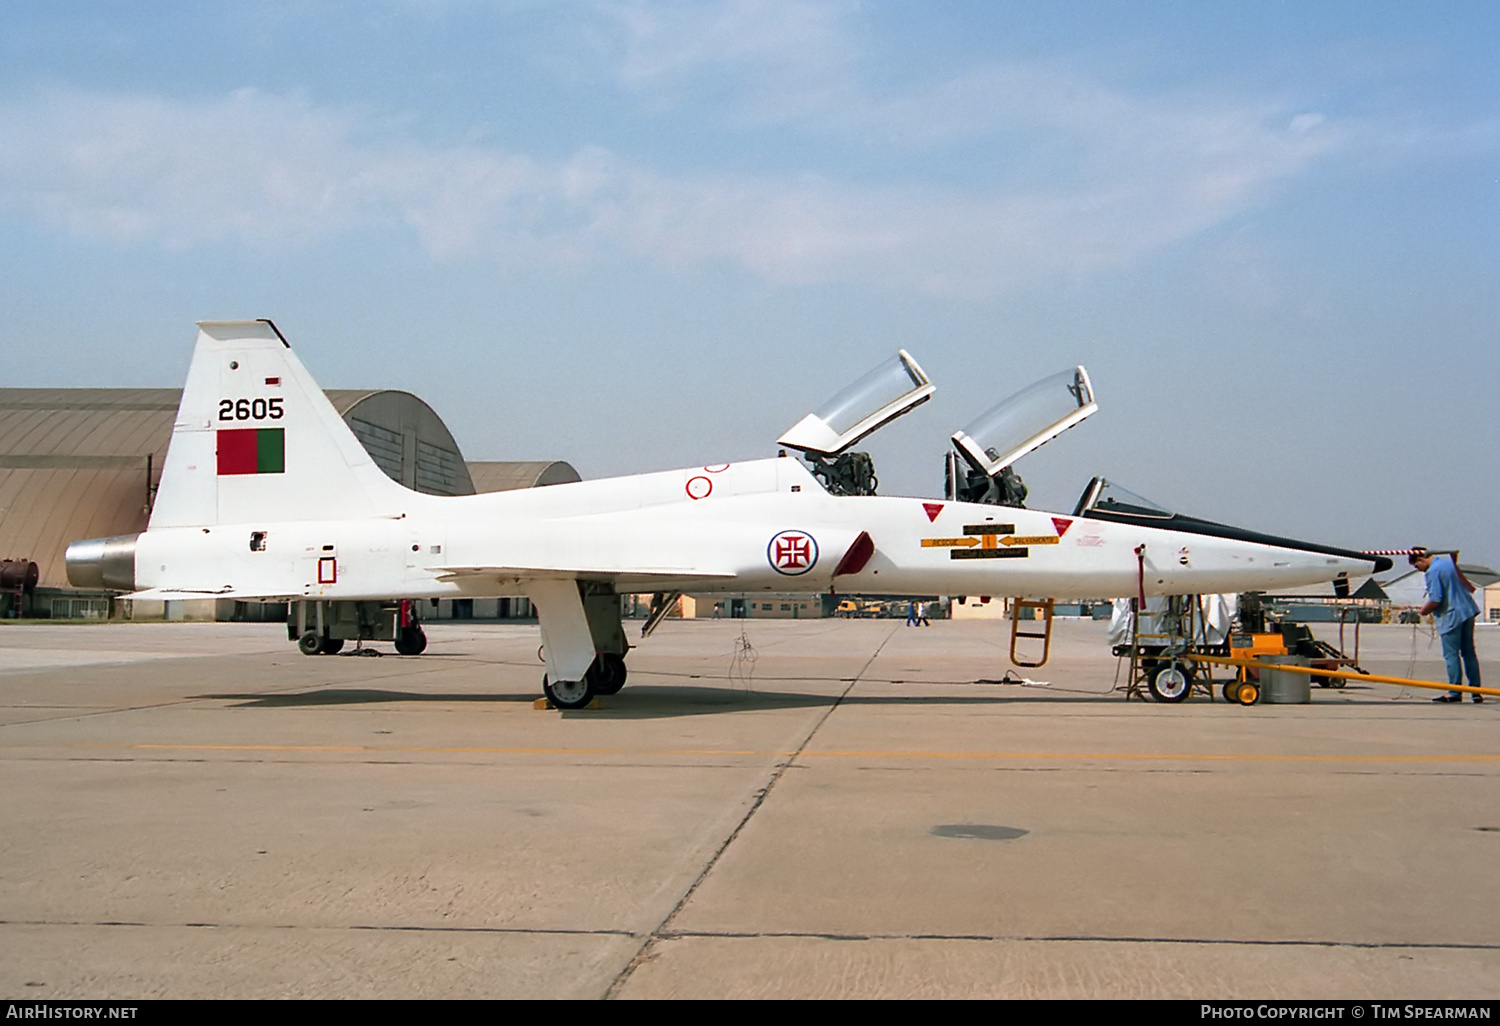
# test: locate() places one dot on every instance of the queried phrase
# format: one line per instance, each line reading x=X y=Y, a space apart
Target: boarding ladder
x=1045 y=634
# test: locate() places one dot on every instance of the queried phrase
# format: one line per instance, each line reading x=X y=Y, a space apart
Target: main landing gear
x=583 y=641
x=568 y=694
x=605 y=676
x=608 y=672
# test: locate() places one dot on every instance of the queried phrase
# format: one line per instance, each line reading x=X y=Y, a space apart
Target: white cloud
x=779 y=58
x=268 y=170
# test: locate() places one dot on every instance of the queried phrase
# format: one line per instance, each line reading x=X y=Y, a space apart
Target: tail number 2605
x=250 y=409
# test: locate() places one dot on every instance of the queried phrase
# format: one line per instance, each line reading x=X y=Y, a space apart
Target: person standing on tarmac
x=1449 y=601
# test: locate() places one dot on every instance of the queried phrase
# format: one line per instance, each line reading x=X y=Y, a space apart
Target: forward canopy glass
x=1109 y=497
x=895 y=387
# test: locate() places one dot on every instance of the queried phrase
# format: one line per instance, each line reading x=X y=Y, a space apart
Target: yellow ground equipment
x=1360 y=675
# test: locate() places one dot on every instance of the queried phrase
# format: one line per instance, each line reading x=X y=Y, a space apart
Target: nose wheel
x=1172 y=682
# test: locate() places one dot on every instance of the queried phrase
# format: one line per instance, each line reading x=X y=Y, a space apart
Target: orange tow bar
x=1313 y=671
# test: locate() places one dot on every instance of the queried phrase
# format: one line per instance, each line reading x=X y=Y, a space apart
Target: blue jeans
x=1459 y=654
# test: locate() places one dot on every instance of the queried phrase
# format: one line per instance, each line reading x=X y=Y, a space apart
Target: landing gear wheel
x=568 y=694
x=1171 y=682
x=310 y=643
x=411 y=641
x=331 y=646
x=1247 y=693
x=607 y=675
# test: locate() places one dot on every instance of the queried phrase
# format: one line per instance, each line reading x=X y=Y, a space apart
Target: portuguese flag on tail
x=252 y=451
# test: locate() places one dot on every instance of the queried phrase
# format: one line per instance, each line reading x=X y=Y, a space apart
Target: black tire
x=1247 y=693
x=1171 y=682
x=1229 y=689
x=568 y=694
x=1328 y=682
x=411 y=641
x=310 y=643
x=607 y=675
x=331 y=646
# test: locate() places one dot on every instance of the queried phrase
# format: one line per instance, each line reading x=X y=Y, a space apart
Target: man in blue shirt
x=1449 y=601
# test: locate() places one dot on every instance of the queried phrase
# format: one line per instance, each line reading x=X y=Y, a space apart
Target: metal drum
x=1279 y=687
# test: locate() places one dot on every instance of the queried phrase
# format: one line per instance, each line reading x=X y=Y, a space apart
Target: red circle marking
x=699 y=487
x=717 y=468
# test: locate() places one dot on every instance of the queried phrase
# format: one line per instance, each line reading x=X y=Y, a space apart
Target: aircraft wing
x=177 y=594
x=455 y=573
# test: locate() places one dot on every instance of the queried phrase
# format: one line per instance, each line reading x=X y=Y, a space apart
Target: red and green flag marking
x=252 y=451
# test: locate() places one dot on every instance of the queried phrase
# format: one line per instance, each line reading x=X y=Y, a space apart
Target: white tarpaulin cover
x=1211 y=625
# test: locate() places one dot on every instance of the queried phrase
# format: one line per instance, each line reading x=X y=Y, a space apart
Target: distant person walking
x=911 y=614
x=1451 y=605
x=922 y=615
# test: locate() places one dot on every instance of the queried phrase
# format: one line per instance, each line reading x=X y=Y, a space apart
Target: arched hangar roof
x=502 y=477
x=406 y=438
x=73 y=465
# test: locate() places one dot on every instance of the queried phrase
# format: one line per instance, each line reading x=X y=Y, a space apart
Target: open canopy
x=895 y=387
x=1027 y=420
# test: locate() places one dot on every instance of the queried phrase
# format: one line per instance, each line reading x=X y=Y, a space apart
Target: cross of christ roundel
x=792 y=553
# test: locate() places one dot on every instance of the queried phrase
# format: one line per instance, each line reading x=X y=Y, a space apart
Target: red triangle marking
x=1061 y=526
x=932 y=509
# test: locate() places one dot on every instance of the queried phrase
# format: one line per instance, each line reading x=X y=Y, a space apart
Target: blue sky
x=645 y=235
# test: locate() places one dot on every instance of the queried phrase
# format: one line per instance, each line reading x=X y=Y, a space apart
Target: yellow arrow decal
x=991 y=538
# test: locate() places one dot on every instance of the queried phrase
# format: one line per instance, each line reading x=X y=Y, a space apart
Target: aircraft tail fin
x=256 y=439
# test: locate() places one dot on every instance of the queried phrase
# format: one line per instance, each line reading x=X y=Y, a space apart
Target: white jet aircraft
x=266 y=494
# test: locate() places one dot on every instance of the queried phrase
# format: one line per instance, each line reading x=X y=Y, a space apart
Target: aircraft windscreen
x=1111 y=498
x=1027 y=419
x=882 y=387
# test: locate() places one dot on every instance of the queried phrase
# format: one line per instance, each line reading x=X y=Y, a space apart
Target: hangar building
x=85 y=462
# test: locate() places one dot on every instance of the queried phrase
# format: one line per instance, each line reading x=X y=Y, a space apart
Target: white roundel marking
x=792 y=553
x=699 y=487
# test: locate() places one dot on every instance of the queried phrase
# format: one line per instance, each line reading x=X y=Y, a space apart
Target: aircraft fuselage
x=764 y=525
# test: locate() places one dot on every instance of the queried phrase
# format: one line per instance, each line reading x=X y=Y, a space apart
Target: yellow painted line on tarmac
x=445 y=750
x=254 y=748
x=829 y=754
x=1171 y=756
x=377 y=748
